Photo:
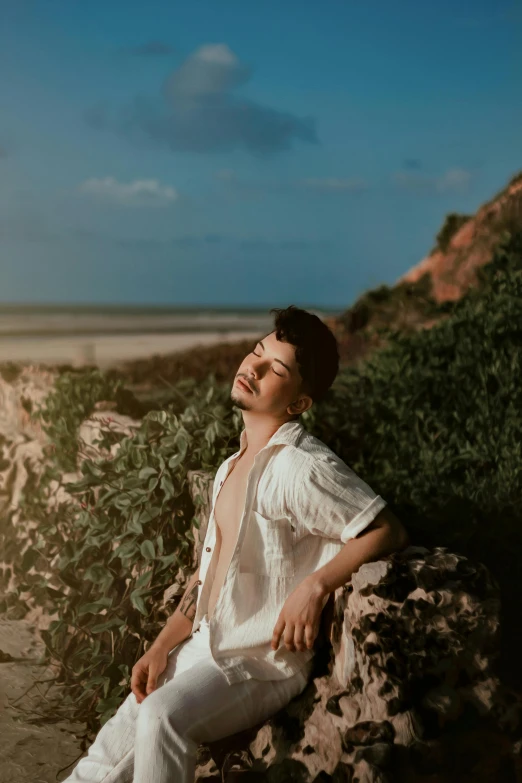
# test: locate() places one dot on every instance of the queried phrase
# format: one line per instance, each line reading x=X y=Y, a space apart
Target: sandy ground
x=31 y=749
x=107 y=350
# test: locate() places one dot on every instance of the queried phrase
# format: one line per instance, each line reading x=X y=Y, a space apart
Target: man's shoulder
x=309 y=451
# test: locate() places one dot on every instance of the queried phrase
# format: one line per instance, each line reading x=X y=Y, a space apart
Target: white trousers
x=156 y=741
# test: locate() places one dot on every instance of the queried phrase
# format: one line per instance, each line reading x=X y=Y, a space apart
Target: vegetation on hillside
x=432 y=420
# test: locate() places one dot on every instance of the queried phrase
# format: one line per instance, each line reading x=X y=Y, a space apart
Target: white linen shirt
x=302 y=504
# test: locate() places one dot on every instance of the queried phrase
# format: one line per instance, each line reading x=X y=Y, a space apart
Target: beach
x=106 y=336
x=110 y=349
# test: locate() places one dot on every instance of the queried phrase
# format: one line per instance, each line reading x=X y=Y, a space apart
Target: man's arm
x=384 y=535
x=179 y=625
x=298 y=621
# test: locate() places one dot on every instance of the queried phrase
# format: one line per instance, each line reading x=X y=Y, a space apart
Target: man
x=290 y=522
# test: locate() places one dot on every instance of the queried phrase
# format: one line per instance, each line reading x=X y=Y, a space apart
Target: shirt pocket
x=268 y=548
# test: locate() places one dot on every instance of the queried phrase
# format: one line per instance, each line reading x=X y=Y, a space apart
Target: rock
x=91 y=430
x=22 y=440
x=19 y=396
x=412 y=650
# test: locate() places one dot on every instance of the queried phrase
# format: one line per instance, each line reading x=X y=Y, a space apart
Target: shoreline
x=107 y=350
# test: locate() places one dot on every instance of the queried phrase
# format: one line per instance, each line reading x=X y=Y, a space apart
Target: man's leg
x=156 y=741
x=200 y=706
x=110 y=758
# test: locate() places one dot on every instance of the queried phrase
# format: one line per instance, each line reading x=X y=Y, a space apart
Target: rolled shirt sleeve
x=331 y=500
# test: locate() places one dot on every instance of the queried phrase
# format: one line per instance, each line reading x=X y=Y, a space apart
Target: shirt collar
x=288 y=433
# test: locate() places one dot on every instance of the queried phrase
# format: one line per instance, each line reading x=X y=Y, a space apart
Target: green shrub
x=405 y=305
x=433 y=422
x=71 y=402
x=115 y=549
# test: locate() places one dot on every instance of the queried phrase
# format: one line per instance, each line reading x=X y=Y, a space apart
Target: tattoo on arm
x=187 y=605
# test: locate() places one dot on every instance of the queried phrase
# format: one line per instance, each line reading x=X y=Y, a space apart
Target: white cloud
x=217 y=53
x=319 y=185
x=213 y=69
x=452 y=180
x=139 y=192
x=225 y=175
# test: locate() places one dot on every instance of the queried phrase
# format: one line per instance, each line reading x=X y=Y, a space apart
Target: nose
x=250 y=371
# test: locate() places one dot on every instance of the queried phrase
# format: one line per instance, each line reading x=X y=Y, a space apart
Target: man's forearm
x=378 y=540
x=179 y=625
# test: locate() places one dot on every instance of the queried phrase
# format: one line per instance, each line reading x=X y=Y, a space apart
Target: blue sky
x=245 y=153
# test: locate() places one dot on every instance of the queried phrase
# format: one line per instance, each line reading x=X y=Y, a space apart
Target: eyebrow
x=260 y=342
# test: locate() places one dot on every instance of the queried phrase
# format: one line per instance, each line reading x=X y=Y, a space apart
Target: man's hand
x=300 y=616
x=146 y=671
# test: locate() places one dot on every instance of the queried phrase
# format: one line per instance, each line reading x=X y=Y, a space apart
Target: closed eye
x=275 y=373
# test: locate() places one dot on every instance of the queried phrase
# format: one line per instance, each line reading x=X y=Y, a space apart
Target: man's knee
x=155 y=711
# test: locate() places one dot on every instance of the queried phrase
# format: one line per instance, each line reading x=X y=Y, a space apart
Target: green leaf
x=115 y=622
x=96 y=573
x=108 y=705
x=168 y=559
x=94 y=608
x=138 y=602
x=125 y=550
x=135 y=527
x=175 y=460
x=149 y=514
x=29 y=558
x=147 y=549
x=143 y=579
x=147 y=472
x=167 y=485
x=99 y=680
x=157 y=416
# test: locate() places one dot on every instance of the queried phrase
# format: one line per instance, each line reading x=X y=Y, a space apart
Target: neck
x=259 y=431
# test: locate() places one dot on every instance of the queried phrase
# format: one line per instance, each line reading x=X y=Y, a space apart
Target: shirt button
x=199 y=581
x=208 y=549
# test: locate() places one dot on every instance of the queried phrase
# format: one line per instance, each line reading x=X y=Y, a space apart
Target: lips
x=244 y=384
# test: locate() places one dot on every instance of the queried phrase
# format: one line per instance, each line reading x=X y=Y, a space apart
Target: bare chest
x=228 y=509
x=230 y=503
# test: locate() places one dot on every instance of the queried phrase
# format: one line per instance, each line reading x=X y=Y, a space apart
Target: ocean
x=53 y=320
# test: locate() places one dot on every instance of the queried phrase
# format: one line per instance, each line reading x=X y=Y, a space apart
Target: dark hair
x=316 y=348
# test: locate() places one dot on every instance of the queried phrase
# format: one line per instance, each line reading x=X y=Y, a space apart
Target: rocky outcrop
x=407 y=668
x=21 y=389
x=21 y=454
x=452 y=270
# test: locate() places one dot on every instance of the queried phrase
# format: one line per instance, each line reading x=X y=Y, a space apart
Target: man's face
x=272 y=377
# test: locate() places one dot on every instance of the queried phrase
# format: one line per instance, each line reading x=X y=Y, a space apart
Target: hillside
x=466 y=243
x=426 y=293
